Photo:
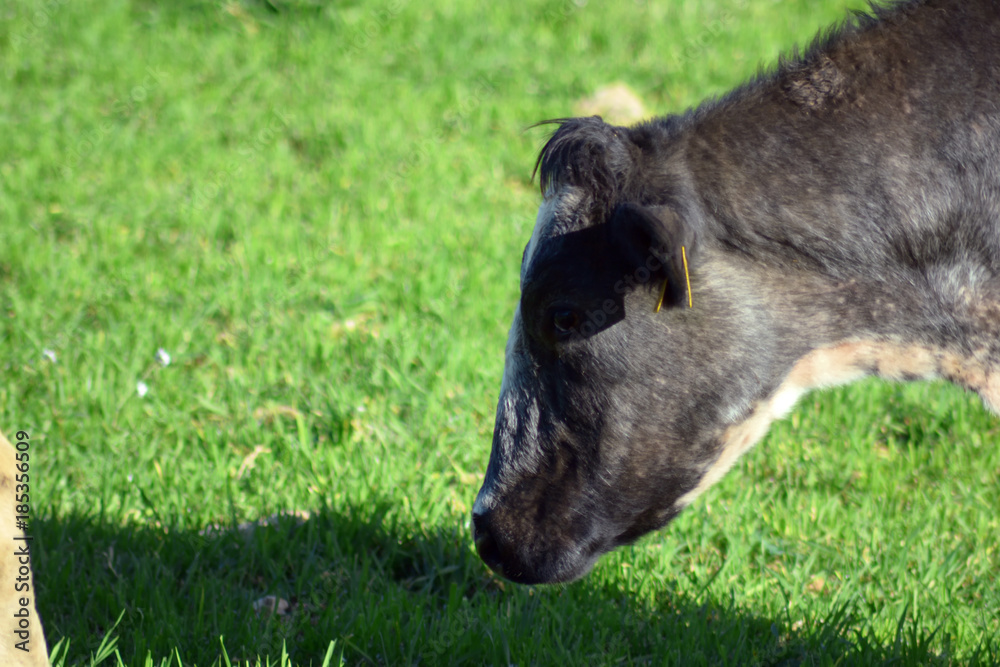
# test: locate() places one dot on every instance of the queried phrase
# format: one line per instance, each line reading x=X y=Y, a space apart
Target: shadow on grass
x=390 y=593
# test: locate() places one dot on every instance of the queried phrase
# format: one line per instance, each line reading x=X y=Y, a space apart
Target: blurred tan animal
x=22 y=642
x=616 y=103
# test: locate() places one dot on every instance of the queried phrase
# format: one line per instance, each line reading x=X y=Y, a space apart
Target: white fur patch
x=827 y=367
x=548 y=214
x=517 y=412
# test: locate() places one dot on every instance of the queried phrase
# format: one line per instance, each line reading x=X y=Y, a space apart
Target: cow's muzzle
x=486 y=544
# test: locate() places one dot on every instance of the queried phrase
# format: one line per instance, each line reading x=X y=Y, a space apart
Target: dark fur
x=850 y=197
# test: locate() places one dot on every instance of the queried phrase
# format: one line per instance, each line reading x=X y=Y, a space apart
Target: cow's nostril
x=486 y=546
x=480 y=531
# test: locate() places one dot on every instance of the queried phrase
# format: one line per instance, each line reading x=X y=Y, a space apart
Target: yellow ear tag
x=663 y=293
x=687 y=277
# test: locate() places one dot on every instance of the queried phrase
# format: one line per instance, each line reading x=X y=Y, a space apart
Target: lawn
x=257 y=264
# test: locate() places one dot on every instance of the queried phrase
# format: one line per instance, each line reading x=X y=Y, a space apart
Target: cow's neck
x=905 y=325
x=844 y=330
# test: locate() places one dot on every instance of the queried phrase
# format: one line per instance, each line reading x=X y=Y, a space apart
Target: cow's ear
x=656 y=238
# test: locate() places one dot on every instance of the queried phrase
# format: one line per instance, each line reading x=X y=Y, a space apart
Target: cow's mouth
x=534 y=559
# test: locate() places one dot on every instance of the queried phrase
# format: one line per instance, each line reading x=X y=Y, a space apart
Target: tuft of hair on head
x=586 y=153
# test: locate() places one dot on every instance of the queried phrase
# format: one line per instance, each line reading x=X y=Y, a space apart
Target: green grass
x=318 y=210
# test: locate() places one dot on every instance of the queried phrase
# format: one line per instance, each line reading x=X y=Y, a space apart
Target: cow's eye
x=564 y=321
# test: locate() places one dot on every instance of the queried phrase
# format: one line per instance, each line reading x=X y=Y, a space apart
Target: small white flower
x=49 y=354
x=141 y=388
x=163 y=357
x=130 y=478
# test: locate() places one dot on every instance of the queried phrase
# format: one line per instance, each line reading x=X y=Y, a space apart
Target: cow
x=690 y=277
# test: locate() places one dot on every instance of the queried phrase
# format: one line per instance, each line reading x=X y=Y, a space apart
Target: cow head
x=619 y=401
